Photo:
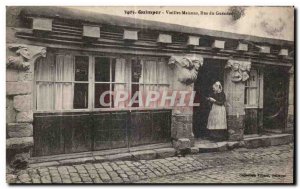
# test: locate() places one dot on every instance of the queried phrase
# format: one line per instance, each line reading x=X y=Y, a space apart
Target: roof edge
x=99 y=18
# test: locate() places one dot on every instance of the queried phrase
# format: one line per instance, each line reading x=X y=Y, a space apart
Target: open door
x=211 y=71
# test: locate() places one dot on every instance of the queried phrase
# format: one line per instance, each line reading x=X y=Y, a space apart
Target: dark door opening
x=275 y=99
x=211 y=71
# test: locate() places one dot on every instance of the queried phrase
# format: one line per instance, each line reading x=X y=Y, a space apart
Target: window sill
x=251 y=107
x=100 y=110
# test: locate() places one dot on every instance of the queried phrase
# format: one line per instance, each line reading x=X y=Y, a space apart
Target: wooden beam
x=130 y=35
x=140 y=44
x=164 y=38
x=42 y=24
x=265 y=49
x=193 y=40
x=218 y=44
x=242 y=47
x=91 y=31
x=136 y=51
x=283 y=52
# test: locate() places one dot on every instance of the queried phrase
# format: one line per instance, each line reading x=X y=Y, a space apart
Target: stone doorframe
x=235 y=76
x=185 y=71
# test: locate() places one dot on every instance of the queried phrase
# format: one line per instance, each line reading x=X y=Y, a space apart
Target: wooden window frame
x=258 y=87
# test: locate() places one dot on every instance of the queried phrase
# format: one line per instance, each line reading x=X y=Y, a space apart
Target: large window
x=65 y=82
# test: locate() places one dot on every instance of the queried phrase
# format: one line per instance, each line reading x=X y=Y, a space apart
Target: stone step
x=269 y=140
x=217 y=146
x=101 y=153
x=254 y=141
x=133 y=156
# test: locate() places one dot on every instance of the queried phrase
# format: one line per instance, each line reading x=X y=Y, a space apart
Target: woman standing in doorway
x=217 y=123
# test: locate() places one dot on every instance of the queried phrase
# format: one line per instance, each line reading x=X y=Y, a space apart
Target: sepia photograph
x=150 y=95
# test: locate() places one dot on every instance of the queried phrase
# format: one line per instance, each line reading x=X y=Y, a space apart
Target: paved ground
x=279 y=172
x=262 y=165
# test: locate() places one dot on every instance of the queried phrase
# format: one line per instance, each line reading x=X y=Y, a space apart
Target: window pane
x=80 y=95
x=100 y=88
x=121 y=71
x=162 y=72
x=102 y=69
x=134 y=89
x=64 y=68
x=121 y=91
x=252 y=96
x=146 y=91
x=63 y=96
x=149 y=71
x=253 y=78
x=44 y=96
x=44 y=68
x=136 y=72
x=251 y=90
x=81 y=68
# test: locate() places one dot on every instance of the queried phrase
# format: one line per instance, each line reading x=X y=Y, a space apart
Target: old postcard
x=150 y=95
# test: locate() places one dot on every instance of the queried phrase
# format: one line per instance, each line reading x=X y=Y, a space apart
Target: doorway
x=276 y=85
x=211 y=71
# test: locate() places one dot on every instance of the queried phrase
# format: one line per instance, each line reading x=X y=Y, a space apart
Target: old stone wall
x=19 y=101
x=19 y=116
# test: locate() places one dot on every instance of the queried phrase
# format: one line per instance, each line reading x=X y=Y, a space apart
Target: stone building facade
x=42 y=41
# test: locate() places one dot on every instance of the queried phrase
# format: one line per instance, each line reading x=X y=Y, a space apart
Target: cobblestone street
x=262 y=165
x=279 y=172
